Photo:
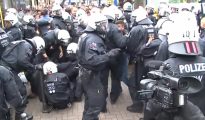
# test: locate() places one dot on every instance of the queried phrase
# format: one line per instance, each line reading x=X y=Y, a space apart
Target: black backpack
x=58 y=92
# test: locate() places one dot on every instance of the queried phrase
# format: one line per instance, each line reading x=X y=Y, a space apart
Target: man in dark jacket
x=93 y=59
x=184 y=60
x=4 y=40
x=114 y=39
x=58 y=21
x=18 y=56
x=142 y=46
x=9 y=93
x=56 y=42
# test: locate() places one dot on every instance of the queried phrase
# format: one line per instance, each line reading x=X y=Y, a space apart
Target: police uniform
x=92 y=60
x=59 y=23
x=114 y=39
x=17 y=57
x=8 y=93
x=4 y=40
x=137 y=38
x=52 y=45
x=182 y=65
x=15 y=32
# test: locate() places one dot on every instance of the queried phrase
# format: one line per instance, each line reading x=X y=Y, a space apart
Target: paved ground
x=115 y=112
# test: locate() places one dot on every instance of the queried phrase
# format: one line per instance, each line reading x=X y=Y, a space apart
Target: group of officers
x=107 y=43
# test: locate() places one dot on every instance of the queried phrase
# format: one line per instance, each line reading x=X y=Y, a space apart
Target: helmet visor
x=102 y=26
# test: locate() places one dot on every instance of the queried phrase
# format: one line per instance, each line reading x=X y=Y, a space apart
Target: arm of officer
x=191 y=112
x=119 y=39
x=24 y=58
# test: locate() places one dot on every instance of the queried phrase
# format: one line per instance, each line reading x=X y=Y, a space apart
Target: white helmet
x=83 y=20
x=165 y=11
x=11 y=10
x=118 y=14
x=28 y=18
x=38 y=42
x=110 y=15
x=64 y=36
x=98 y=22
x=11 y=18
x=57 y=10
x=183 y=35
x=140 y=14
x=127 y=7
x=72 y=48
x=49 y=68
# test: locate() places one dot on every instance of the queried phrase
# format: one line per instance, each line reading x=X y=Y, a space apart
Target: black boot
x=104 y=110
x=136 y=107
x=47 y=108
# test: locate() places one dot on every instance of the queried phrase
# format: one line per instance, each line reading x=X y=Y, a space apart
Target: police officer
x=93 y=59
x=138 y=37
x=58 y=21
x=114 y=39
x=12 y=28
x=10 y=94
x=18 y=56
x=56 y=42
x=127 y=9
x=162 y=22
x=29 y=27
x=184 y=60
x=4 y=40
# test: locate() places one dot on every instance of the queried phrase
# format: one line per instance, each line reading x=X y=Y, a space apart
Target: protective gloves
x=114 y=52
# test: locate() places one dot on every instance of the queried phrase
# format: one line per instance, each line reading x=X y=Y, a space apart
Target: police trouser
x=187 y=112
x=78 y=89
x=116 y=69
x=23 y=92
x=94 y=93
x=134 y=83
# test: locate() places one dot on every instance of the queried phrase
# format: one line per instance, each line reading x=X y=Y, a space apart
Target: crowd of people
x=68 y=51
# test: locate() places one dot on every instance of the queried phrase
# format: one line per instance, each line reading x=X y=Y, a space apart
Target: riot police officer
x=114 y=39
x=9 y=93
x=56 y=42
x=58 y=21
x=139 y=37
x=18 y=56
x=29 y=27
x=4 y=40
x=93 y=59
x=12 y=28
x=184 y=60
x=127 y=9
